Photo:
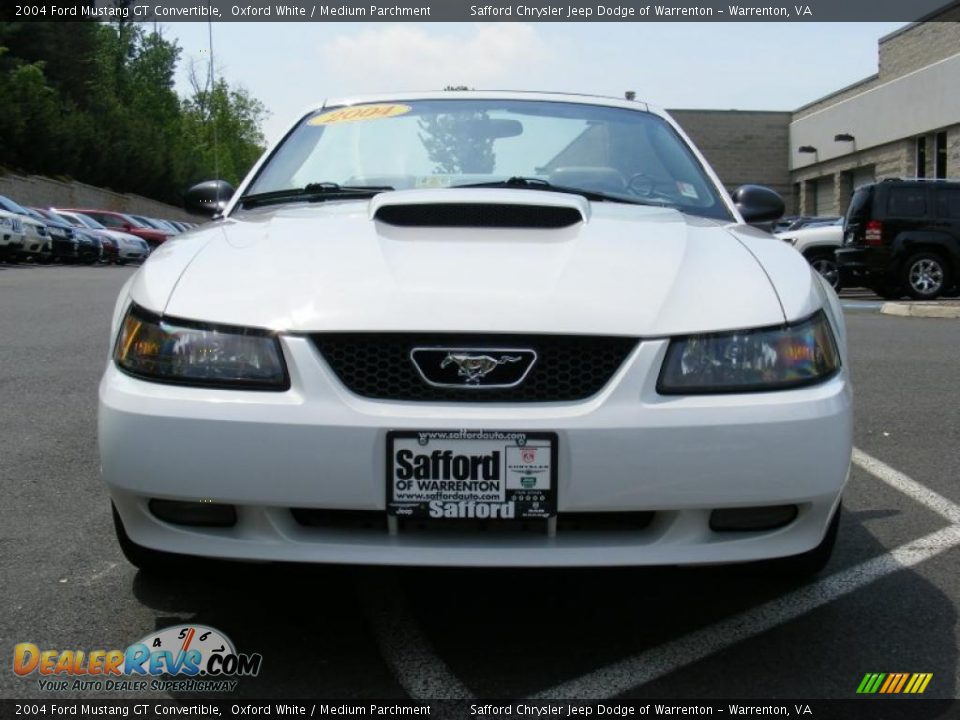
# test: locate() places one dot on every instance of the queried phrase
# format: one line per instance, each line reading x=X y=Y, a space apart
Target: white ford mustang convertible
x=478 y=329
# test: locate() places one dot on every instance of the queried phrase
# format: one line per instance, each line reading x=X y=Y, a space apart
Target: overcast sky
x=746 y=66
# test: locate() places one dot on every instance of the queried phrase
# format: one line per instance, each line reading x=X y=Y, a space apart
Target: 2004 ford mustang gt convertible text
x=479 y=329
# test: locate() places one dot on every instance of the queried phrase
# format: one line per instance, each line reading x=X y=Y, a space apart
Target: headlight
x=777 y=358
x=6 y=222
x=190 y=353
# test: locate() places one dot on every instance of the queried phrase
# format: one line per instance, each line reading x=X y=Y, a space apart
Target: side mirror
x=758 y=204
x=208 y=198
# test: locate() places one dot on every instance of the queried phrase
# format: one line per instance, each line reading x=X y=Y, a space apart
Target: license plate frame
x=519 y=483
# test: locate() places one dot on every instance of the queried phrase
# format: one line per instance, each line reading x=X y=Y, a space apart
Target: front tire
x=926 y=275
x=145 y=559
x=807 y=564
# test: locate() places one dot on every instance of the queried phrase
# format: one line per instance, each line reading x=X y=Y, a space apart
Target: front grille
x=568 y=367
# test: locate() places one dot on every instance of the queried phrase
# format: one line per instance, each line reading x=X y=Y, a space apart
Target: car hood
x=624 y=269
x=32 y=222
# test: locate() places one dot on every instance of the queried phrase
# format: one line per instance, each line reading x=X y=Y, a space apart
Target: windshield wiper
x=534 y=183
x=313 y=192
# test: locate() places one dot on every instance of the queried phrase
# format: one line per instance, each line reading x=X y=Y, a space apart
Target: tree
x=453 y=143
x=222 y=124
x=97 y=101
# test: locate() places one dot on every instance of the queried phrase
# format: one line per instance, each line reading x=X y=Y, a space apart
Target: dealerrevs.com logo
x=200 y=658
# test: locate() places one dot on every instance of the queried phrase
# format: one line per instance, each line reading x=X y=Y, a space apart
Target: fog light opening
x=752 y=519
x=194 y=514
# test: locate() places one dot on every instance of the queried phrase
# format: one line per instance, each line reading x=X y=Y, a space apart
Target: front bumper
x=128 y=253
x=88 y=253
x=62 y=248
x=318 y=446
x=12 y=244
x=870 y=267
x=33 y=244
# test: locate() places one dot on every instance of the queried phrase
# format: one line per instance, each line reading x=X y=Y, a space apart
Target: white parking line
x=909 y=487
x=421 y=672
x=424 y=675
x=624 y=675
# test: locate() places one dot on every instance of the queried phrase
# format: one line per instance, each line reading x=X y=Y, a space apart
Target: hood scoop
x=479 y=208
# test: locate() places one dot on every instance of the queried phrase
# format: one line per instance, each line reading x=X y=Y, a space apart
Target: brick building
x=743 y=146
x=904 y=121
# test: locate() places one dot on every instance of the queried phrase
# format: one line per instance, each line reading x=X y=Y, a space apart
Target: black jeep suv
x=903 y=237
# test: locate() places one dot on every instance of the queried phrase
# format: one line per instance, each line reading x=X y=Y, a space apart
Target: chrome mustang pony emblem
x=475 y=367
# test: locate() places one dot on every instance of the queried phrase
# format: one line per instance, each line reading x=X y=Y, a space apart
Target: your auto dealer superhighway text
x=570 y=11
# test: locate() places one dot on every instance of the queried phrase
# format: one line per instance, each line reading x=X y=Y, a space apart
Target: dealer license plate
x=472 y=474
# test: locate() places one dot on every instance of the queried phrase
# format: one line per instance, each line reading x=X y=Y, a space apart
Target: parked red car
x=121 y=221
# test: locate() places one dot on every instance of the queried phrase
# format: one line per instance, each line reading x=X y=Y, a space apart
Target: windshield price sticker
x=357 y=113
x=472 y=474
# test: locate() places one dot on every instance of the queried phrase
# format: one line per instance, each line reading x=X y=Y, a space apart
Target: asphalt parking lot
x=888 y=602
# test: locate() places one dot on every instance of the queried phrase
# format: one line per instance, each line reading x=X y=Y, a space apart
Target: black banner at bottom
x=873 y=708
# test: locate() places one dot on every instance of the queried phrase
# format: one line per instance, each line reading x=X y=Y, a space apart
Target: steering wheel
x=642 y=185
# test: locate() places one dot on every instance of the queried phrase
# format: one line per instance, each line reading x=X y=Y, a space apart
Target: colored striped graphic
x=894 y=683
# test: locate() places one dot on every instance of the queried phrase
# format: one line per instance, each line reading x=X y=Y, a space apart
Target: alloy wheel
x=828 y=269
x=926 y=276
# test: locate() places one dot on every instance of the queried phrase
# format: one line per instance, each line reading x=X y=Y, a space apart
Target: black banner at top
x=487 y=10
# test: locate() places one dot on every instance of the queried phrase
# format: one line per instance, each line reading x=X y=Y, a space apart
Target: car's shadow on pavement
x=512 y=633
x=306 y=621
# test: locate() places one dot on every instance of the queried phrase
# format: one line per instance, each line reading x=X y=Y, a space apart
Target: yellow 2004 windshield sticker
x=357 y=113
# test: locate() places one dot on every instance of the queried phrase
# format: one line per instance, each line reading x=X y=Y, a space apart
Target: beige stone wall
x=896 y=159
x=892 y=160
x=953 y=152
x=913 y=48
x=839 y=96
x=46 y=192
x=900 y=53
x=743 y=146
x=919 y=46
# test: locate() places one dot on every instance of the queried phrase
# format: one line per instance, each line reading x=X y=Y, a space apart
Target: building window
x=940 y=155
x=921 y=157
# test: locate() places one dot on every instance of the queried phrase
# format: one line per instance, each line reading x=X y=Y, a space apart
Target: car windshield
x=615 y=153
x=69 y=219
x=10 y=206
x=144 y=222
x=89 y=222
x=139 y=222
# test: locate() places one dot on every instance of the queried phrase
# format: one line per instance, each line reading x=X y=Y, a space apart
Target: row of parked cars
x=85 y=235
x=898 y=237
